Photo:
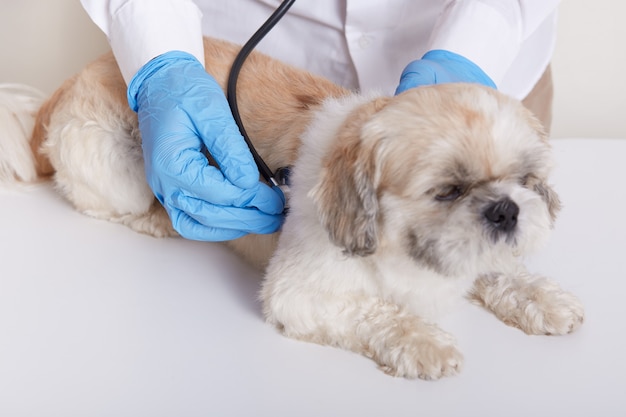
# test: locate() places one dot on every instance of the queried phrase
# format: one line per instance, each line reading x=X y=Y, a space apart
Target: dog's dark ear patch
x=352 y=219
x=346 y=195
x=550 y=197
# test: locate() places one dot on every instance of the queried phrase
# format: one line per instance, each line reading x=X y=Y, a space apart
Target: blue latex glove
x=438 y=67
x=181 y=108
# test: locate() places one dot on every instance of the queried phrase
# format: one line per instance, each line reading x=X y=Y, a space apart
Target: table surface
x=96 y=320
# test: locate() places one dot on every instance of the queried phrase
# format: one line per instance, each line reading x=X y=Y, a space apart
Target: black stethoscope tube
x=231 y=93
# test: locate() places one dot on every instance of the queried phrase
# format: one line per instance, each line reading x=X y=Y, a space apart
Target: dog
x=399 y=206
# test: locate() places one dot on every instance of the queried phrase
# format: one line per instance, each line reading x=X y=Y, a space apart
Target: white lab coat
x=362 y=44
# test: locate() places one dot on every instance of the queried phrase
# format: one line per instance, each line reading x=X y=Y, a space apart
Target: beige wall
x=590 y=69
x=42 y=42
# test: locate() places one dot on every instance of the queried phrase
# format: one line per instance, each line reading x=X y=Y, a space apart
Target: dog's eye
x=528 y=180
x=449 y=193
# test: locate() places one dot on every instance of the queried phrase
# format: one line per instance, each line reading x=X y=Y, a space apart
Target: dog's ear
x=550 y=197
x=346 y=194
x=547 y=193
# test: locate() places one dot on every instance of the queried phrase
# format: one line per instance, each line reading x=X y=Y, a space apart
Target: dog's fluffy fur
x=399 y=205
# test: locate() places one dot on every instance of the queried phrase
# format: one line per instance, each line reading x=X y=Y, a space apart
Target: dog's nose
x=503 y=214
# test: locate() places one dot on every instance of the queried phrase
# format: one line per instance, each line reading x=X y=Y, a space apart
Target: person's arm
x=139 y=30
x=181 y=110
x=476 y=41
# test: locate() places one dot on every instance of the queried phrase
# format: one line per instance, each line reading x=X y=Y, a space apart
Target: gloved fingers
x=269 y=200
x=222 y=138
x=219 y=191
x=181 y=157
x=456 y=68
x=181 y=107
x=416 y=74
x=233 y=157
x=438 y=67
x=199 y=180
x=242 y=219
x=189 y=228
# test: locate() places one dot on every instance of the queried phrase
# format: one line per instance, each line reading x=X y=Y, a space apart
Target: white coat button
x=365 y=41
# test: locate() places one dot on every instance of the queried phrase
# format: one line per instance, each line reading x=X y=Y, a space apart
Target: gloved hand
x=438 y=67
x=181 y=109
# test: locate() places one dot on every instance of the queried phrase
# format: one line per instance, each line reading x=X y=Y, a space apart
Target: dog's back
x=271 y=91
x=86 y=137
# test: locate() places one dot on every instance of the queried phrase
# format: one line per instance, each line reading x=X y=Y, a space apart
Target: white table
x=96 y=320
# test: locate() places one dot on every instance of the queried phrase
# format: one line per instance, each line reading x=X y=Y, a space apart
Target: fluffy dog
x=399 y=205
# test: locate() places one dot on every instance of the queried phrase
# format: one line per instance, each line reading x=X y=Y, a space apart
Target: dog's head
x=452 y=175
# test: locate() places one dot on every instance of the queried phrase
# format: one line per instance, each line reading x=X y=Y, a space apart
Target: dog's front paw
x=552 y=311
x=427 y=352
x=534 y=304
x=153 y=222
x=401 y=343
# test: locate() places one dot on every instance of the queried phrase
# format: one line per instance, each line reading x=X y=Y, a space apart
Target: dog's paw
x=428 y=355
x=401 y=343
x=154 y=222
x=552 y=311
x=534 y=304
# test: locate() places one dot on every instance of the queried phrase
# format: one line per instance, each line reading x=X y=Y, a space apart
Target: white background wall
x=590 y=69
x=42 y=42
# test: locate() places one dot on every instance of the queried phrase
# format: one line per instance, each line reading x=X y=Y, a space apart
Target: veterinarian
x=388 y=46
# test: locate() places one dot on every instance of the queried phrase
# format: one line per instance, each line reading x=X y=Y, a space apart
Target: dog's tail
x=21 y=134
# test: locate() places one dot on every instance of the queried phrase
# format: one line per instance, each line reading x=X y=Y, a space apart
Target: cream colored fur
x=18 y=106
x=389 y=220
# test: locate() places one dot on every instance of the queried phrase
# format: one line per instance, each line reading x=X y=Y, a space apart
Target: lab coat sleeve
x=139 y=30
x=489 y=33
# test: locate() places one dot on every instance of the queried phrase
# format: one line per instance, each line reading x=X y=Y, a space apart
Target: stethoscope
x=281 y=177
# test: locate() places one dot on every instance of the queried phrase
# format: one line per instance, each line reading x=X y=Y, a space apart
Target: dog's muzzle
x=502 y=215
